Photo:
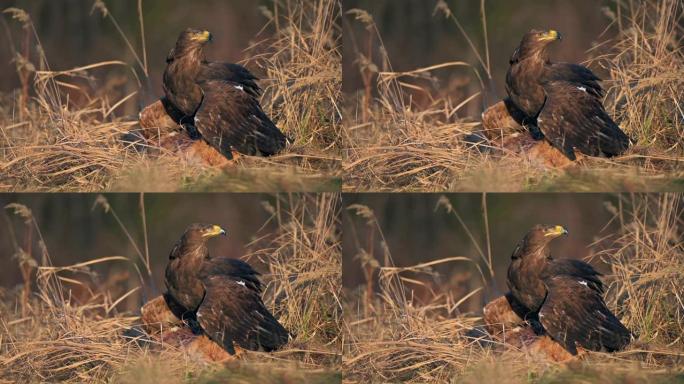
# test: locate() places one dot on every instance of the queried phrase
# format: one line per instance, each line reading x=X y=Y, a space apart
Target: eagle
x=561 y=102
x=218 y=101
x=562 y=298
x=219 y=297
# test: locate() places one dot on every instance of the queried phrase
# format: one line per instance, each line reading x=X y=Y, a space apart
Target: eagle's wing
x=575 y=314
x=231 y=119
x=573 y=118
x=233 y=73
x=233 y=268
x=578 y=75
x=575 y=268
x=233 y=313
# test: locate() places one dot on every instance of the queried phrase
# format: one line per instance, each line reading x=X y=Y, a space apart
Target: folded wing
x=232 y=313
x=230 y=72
x=229 y=118
x=577 y=75
x=575 y=268
x=236 y=269
x=574 y=118
x=574 y=314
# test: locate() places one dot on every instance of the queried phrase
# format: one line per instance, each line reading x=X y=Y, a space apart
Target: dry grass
x=52 y=143
x=393 y=144
x=304 y=257
x=58 y=340
x=390 y=337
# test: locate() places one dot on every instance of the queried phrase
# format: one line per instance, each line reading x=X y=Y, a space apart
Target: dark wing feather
x=575 y=268
x=578 y=75
x=233 y=268
x=233 y=313
x=233 y=73
x=572 y=118
x=231 y=119
x=575 y=314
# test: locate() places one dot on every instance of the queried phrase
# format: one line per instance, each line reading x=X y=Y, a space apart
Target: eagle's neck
x=195 y=252
x=536 y=258
x=524 y=276
x=183 y=274
x=543 y=56
x=180 y=83
x=191 y=62
x=536 y=63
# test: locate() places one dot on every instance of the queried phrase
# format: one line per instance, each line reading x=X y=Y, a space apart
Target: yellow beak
x=556 y=231
x=202 y=36
x=214 y=231
x=550 y=35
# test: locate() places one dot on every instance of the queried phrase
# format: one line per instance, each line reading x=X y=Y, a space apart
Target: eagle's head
x=540 y=234
x=539 y=237
x=200 y=233
x=534 y=43
x=542 y=37
x=196 y=36
x=534 y=246
x=192 y=40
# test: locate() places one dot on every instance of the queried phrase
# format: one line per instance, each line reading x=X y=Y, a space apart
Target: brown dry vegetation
x=50 y=143
x=49 y=337
x=389 y=336
x=391 y=143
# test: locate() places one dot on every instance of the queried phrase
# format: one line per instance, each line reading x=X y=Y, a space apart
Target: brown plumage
x=218 y=100
x=563 y=297
x=220 y=296
x=561 y=101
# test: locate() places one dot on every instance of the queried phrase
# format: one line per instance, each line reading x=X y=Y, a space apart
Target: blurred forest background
x=75 y=34
x=75 y=228
x=417 y=35
x=417 y=228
